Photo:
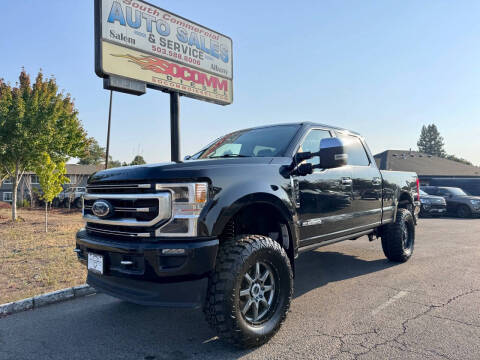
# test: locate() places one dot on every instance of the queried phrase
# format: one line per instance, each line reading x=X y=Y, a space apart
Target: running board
x=332 y=241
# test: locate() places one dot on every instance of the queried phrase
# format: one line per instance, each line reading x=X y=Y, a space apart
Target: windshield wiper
x=228 y=155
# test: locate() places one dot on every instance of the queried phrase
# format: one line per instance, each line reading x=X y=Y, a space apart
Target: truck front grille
x=120 y=189
x=134 y=214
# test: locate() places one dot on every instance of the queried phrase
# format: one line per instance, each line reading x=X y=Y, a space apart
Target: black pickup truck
x=222 y=230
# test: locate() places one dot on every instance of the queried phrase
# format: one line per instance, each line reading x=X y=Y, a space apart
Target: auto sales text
x=137 y=14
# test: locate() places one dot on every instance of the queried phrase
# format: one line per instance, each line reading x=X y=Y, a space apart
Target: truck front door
x=325 y=196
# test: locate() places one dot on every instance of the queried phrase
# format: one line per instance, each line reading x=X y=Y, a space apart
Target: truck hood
x=188 y=170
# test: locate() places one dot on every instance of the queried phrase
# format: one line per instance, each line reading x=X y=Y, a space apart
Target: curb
x=45 y=299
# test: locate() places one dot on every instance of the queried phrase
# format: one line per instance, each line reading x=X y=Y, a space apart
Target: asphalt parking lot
x=350 y=303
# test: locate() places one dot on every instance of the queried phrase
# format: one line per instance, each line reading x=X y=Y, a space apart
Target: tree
x=430 y=141
x=138 y=160
x=94 y=154
x=35 y=119
x=113 y=163
x=51 y=177
x=3 y=175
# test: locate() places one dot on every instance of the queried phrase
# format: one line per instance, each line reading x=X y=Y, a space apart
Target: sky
x=382 y=68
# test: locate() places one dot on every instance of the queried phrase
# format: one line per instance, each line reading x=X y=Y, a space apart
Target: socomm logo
x=161 y=66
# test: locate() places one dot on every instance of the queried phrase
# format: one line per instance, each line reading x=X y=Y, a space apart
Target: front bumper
x=475 y=210
x=163 y=273
x=432 y=209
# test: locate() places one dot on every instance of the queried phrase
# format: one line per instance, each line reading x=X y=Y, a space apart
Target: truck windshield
x=262 y=142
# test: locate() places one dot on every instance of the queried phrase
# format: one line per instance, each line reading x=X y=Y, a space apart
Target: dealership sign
x=141 y=42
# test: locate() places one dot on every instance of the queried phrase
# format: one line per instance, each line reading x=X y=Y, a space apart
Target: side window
x=443 y=192
x=312 y=143
x=357 y=155
x=7 y=196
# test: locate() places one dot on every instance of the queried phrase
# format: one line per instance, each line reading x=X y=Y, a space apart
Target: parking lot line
x=390 y=301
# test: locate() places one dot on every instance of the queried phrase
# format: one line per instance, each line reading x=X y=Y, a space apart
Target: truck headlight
x=188 y=200
x=425 y=201
x=475 y=203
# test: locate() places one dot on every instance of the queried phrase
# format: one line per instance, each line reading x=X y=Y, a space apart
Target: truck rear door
x=366 y=184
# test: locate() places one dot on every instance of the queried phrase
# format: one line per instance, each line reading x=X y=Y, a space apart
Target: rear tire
x=463 y=211
x=77 y=203
x=398 y=238
x=250 y=291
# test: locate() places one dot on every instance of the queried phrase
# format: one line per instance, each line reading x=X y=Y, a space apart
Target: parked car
x=222 y=230
x=432 y=205
x=458 y=201
x=70 y=197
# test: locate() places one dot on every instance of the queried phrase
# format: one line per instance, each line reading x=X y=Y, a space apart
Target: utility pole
x=175 y=126
x=108 y=131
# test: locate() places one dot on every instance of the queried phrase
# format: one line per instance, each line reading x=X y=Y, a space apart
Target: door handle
x=346 y=181
x=376 y=181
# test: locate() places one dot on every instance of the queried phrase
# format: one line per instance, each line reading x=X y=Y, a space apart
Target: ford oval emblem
x=102 y=208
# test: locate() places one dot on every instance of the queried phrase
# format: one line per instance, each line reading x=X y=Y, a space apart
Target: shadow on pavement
x=315 y=269
x=101 y=327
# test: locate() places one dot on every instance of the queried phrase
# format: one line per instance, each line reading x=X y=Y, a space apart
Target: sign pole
x=175 y=126
x=108 y=131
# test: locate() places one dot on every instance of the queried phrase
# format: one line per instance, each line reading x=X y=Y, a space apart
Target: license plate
x=95 y=263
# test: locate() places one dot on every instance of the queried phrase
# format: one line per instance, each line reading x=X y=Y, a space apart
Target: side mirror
x=187 y=157
x=302 y=170
x=332 y=153
x=299 y=157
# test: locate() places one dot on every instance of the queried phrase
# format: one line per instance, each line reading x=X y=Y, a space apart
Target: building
x=432 y=170
x=78 y=175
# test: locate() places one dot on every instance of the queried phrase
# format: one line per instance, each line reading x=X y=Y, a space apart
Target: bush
x=24 y=203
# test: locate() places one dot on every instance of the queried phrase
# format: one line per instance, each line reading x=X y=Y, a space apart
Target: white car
x=72 y=197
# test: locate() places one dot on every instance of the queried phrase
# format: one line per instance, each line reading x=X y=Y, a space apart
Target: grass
x=33 y=262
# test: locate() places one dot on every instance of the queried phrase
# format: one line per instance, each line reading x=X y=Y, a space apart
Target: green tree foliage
x=113 y=163
x=36 y=118
x=430 y=141
x=3 y=175
x=94 y=155
x=51 y=177
x=138 y=160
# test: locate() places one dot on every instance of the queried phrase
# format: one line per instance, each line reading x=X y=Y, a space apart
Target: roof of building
x=423 y=164
x=75 y=169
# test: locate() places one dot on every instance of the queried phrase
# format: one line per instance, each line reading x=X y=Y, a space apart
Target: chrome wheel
x=257 y=292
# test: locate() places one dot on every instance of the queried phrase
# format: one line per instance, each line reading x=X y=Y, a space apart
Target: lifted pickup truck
x=223 y=229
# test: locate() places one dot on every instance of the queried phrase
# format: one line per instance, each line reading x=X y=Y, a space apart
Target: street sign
x=138 y=41
x=122 y=84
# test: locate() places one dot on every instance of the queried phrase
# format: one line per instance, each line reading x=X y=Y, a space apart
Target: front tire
x=463 y=211
x=398 y=238
x=250 y=290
